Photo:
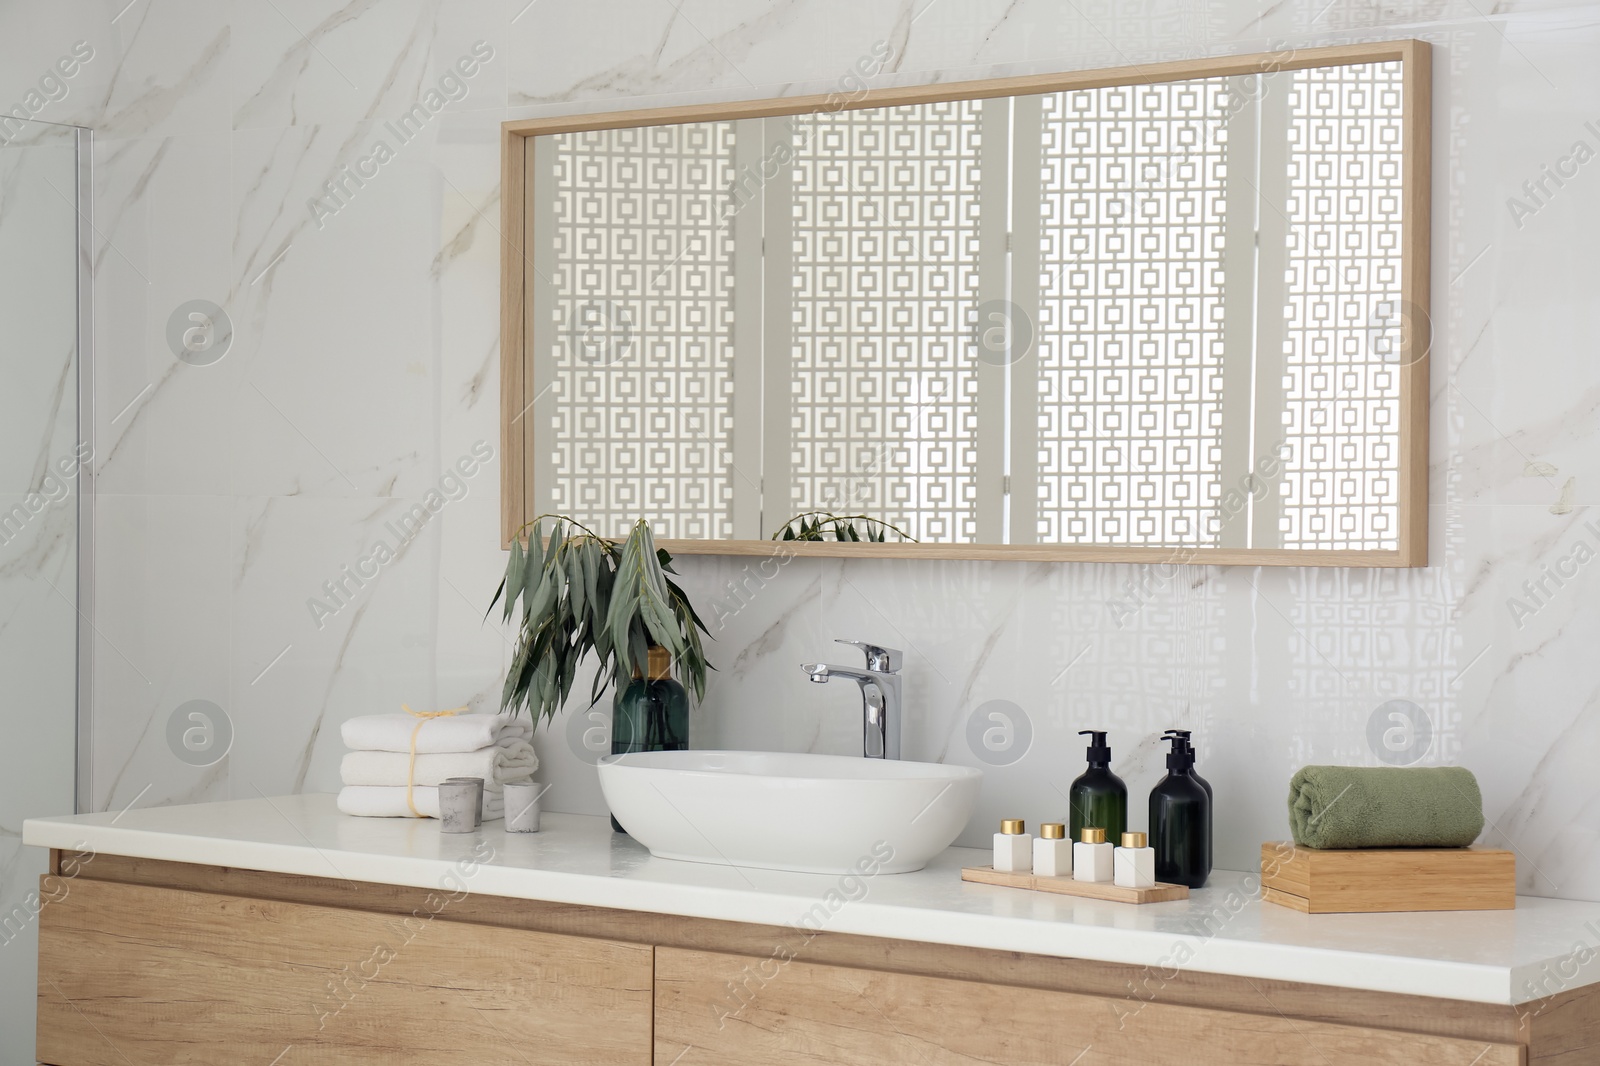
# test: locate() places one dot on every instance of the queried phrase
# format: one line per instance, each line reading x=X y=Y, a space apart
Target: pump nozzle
x=1099 y=750
x=1182 y=737
x=1181 y=757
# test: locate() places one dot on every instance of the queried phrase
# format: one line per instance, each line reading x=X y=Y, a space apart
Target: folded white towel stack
x=457 y=733
x=512 y=761
x=383 y=779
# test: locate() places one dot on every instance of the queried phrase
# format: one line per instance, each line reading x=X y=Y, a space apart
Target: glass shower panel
x=41 y=455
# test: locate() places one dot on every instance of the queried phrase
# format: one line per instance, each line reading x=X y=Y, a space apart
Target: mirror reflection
x=1158 y=315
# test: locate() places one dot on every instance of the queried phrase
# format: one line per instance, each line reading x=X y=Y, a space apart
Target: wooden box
x=1388 y=879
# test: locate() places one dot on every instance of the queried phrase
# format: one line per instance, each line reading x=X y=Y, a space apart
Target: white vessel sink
x=777 y=811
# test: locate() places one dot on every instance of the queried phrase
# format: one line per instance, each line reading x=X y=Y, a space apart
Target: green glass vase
x=651 y=714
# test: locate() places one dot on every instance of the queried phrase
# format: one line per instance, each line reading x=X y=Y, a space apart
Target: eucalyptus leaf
x=587 y=593
x=558 y=537
x=543 y=598
x=577 y=587
x=638 y=648
x=538 y=564
x=512 y=583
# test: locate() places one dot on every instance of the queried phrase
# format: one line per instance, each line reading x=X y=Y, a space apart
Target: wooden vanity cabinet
x=131 y=974
x=812 y=1015
x=161 y=963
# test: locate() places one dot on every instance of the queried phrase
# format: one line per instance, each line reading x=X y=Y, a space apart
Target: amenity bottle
x=1052 y=851
x=1013 y=847
x=1092 y=856
x=1133 y=865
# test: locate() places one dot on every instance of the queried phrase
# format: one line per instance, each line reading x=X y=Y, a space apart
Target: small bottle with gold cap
x=1134 y=864
x=1091 y=856
x=1013 y=847
x=1052 y=851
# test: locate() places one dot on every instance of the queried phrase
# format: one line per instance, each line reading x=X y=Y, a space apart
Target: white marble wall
x=364 y=363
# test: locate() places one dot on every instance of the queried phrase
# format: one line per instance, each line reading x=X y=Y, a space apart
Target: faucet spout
x=880 y=698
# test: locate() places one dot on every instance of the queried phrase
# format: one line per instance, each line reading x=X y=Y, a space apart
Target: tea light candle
x=476 y=782
x=460 y=806
x=522 y=807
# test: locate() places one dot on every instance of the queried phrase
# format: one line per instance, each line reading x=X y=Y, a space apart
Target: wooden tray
x=1381 y=880
x=1066 y=886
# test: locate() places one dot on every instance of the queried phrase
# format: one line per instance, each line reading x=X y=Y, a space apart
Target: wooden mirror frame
x=1412 y=538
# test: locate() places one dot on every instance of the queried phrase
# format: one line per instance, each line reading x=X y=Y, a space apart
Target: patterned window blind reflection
x=1153 y=316
x=885 y=274
x=1130 y=334
x=642 y=334
x=1344 y=315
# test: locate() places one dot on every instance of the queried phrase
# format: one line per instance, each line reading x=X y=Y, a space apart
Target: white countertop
x=1502 y=957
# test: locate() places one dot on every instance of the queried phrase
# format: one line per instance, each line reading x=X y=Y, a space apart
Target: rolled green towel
x=1385 y=807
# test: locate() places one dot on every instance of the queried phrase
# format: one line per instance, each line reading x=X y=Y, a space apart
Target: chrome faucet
x=880 y=696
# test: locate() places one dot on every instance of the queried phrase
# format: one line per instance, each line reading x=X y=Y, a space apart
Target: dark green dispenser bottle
x=1099 y=799
x=651 y=714
x=1180 y=821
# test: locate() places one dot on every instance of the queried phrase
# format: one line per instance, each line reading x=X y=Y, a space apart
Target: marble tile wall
x=363 y=363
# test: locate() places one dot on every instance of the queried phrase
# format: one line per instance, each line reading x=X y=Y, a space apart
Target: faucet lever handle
x=884 y=660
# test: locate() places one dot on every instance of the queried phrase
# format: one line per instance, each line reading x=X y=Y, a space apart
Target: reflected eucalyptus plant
x=821 y=525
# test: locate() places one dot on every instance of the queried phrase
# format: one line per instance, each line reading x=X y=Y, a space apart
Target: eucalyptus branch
x=609 y=542
x=582 y=593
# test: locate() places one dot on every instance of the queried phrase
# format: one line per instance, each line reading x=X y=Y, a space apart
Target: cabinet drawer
x=129 y=973
x=734 y=1011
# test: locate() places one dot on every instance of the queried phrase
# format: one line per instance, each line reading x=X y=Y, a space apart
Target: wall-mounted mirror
x=1174 y=311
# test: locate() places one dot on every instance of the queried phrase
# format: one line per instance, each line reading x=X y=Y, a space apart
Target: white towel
x=389 y=801
x=510 y=760
x=457 y=733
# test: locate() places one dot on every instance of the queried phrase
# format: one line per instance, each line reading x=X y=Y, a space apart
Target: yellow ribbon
x=411 y=768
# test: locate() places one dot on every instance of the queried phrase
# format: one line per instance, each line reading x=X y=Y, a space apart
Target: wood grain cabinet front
x=731 y=1010
x=137 y=974
x=146 y=962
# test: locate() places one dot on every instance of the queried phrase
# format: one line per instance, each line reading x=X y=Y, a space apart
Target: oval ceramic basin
x=777 y=811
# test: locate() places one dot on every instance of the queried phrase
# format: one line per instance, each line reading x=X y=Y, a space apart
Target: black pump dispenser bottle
x=1180 y=821
x=1099 y=799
